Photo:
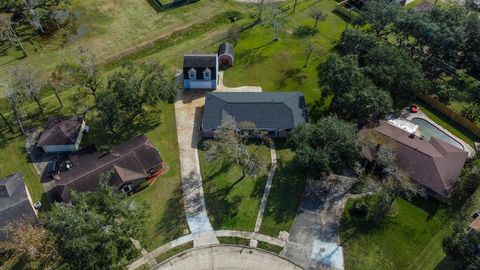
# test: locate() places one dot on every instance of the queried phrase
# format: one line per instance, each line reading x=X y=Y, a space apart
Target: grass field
x=285 y=58
x=232 y=201
x=174 y=251
x=106 y=28
x=285 y=195
x=410 y=240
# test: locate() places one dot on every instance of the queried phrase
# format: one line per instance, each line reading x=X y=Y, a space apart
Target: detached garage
x=62 y=134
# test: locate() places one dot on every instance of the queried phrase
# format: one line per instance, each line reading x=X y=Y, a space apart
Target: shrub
x=471 y=112
x=446 y=94
x=304 y=31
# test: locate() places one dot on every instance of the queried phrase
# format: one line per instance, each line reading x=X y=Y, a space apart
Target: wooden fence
x=451 y=114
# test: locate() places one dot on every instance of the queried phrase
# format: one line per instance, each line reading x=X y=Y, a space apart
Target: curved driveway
x=227 y=257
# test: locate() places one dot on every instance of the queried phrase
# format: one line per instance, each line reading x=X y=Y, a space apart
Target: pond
x=428 y=130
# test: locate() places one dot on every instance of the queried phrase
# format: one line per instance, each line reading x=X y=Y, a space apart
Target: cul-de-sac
x=240 y=134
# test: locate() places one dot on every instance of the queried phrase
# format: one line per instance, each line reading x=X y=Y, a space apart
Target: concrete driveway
x=314 y=241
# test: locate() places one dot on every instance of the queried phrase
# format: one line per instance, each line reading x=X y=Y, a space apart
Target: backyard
x=411 y=239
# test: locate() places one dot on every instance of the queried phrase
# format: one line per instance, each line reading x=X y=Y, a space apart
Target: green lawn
x=277 y=65
x=106 y=28
x=410 y=240
x=234 y=241
x=174 y=251
x=232 y=201
x=285 y=195
x=269 y=247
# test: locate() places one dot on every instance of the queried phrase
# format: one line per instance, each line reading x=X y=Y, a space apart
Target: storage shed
x=225 y=55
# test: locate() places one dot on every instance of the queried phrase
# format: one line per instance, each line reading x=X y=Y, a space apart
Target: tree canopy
x=95 y=230
x=330 y=145
x=463 y=247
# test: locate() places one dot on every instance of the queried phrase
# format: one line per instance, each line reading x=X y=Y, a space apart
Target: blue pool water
x=428 y=130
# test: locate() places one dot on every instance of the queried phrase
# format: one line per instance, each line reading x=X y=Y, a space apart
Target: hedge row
x=451 y=114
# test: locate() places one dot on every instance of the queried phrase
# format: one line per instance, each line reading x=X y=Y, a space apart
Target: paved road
x=314 y=238
x=188 y=111
x=227 y=257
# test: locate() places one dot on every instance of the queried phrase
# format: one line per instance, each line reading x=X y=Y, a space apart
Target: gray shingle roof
x=14 y=203
x=62 y=130
x=129 y=161
x=277 y=110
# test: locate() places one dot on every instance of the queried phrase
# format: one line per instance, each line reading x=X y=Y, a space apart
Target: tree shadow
x=304 y=31
x=171 y=224
x=254 y=55
x=317 y=109
x=294 y=75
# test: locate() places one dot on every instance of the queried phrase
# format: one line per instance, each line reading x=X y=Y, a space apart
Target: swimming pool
x=428 y=130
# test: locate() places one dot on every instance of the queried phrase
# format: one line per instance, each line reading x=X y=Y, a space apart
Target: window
x=126 y=189
x=192 y=74
x=206 y=74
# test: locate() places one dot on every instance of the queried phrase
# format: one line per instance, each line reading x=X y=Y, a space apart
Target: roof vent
x=412 y=136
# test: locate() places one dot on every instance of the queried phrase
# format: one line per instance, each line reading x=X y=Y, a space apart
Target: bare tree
x=233 y=34
x=275 y=21
x=229 y=144
x=32 y=15
x=259 y=6
x=55 y=81
x=7 y=30
x=84 y=73
x=14 y=99
x=318 y=15
x=310 y=49
x=26 y=80
x=294 y=5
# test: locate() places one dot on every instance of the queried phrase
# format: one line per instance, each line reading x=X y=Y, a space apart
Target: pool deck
x=409 y=116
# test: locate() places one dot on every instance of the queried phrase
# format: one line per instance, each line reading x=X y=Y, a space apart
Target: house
x=15 y=203
x=225 y=55
x=62 y=134
x=130 y=164
x=200 y=71
x=434 y=164
x=276 y=113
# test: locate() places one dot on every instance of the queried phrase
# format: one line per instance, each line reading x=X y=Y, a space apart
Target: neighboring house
x=434 y=164
x=15 y=203
x=200 y=71
x=130 y=163
x=62 y=134
x=276 y=113
x=225 y=55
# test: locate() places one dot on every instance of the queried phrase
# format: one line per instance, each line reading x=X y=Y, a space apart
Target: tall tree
x=229 y=144
x=104 y=224
x=472 y=44
x=330 y=145
x=275 y=21
x=142 y=84
x=259 y=8
x=14 y=99
x=318 y=15
x=309 y=49
x=55 y=83
x=26 y=81
x=84 y=73
x=379 y=16
x=393 y=70
x=7 y=31
x=355 y=41
x=110 y=110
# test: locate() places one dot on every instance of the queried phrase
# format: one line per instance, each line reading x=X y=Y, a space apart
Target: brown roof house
x=62 y=134
x=434 y=164
x=130 y=163
x=15 y=203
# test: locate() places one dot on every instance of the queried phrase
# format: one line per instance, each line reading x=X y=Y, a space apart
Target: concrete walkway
x=266 y=192
x=227 y=257
x=314 y=241
x=188 y=110
x=148 y=258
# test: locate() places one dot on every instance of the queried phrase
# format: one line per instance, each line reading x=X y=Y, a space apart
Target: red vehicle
x=413 y=109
